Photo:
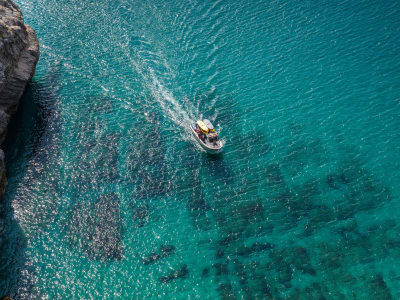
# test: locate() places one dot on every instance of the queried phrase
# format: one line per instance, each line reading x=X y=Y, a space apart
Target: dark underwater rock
x=151 y=258
x=220 y=253
x=239 y=271
x=257 y=286
x=251 y=210
x=296 y=157
x=251 y=144
x=146 y=168
x=331 y=258
x=98 y=160
x=197 y=205
x=256 y=247
x=247 y=213
x=318 y=217
x=180 y=273
x=96 y=228
x=377 y=288
x=205 y=272
x=228 y=239
x=165 y=251
x=226 y=292
x=331 y=181
x=315 y=291
x=141 y=215
x=99 y=104
x=286 y=261
x=221 y=269
x=107 y=235
x=145 y=165
x=285 y=198
x=217 y=167
x=273 y=175
x=359 y=191
x=197 y=201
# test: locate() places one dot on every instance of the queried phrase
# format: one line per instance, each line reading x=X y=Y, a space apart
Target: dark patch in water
x=356 y=189
x=197 y=206
x=165 y=251
x=228 y=114
x=246 y=214
x=180 y=273
x=255 y=248
x=254 y=283
x=146 y=166
x=285 y=198
x=251 y=144
x=318 y=217
x=331 y=181
x=273 y=175
x=221 y=269
x=106 y=165
x=286 y=261
x=97 y=161
x=32 y=139
x=205 y=272
x=220 y=253
x=228 y=239
x=296 y=157
x=107 y=236
x=218 y=168
x=197 y=202
x=226 y=292
x=251 y=210
x=99 y=104
x=314 y=291
x=378 y=289
x=303 y=201
x=330 y=258
x=239 y=271
x=141 y=215
x=96 y=228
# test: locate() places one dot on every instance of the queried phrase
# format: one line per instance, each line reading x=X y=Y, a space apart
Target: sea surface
x=109 y=196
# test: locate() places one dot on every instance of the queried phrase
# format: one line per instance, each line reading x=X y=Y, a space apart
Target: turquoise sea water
x=109 y=196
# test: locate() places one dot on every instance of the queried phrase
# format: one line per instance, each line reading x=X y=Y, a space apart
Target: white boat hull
x=210 y=148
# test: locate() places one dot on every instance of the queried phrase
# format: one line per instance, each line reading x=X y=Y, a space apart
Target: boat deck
x=206 y=144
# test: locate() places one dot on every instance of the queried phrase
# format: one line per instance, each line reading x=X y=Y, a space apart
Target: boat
x=204 y=132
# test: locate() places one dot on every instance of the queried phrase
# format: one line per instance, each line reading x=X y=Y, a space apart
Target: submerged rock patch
x=96 y=228
x=165 y=251
x=180 y=273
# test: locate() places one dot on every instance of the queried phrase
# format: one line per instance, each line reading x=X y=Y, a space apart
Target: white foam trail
x=169 y=104
x=181 y=114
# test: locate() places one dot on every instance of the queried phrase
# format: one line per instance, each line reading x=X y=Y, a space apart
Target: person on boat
x=202 y=137
x=214 y=139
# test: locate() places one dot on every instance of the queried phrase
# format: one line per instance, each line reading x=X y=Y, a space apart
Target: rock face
x=19 y=53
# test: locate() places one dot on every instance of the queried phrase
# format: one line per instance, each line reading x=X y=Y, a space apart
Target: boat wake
x=156 y=77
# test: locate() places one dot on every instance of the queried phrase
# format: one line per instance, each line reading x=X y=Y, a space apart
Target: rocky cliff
x=19 y=53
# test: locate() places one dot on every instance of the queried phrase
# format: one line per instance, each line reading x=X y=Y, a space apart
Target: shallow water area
x=109 y=195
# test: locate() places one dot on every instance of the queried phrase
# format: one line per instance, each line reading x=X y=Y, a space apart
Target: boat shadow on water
x=218 y=167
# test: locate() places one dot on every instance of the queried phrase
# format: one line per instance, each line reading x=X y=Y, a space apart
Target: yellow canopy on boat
x=202 y=126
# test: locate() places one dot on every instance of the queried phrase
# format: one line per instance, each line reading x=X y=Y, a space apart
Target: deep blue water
x=110 y=197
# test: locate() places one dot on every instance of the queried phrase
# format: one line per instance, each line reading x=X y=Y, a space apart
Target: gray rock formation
x=19 y=53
